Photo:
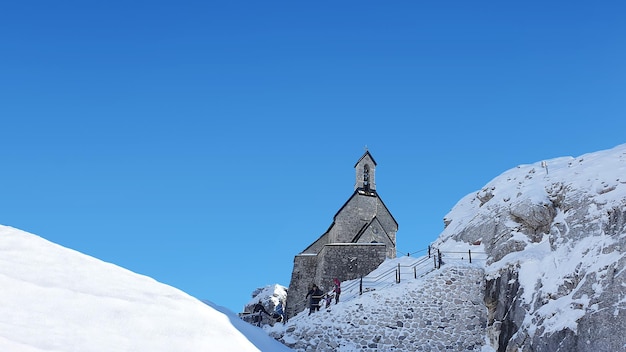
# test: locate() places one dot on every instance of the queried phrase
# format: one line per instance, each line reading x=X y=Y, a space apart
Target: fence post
x=429 y=251
x=435 y=261
x=415 y=272
x=470 y=255
x=398 y=281
x=439 y=259
x=361 y=286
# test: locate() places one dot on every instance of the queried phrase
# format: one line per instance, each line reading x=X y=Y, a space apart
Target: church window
x=366 y=176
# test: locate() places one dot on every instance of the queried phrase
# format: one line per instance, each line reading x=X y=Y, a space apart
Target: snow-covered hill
x=55 y=299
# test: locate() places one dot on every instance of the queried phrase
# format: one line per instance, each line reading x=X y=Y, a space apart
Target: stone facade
x=361 y=237
x=358 y=259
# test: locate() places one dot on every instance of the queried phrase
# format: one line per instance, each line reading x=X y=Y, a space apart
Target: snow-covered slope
x=56 y=299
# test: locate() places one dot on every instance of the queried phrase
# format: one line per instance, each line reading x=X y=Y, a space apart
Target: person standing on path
x=337 y=289
x=258 y=308
x=316 y=295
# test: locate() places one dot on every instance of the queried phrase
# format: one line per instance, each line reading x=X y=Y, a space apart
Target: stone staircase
x=442 y=311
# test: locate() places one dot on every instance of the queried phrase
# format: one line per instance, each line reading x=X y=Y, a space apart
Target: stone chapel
x=361 y=236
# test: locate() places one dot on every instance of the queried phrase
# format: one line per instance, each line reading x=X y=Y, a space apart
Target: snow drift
x=57 y=299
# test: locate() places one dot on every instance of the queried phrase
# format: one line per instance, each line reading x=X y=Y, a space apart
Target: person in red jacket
x=337 y=289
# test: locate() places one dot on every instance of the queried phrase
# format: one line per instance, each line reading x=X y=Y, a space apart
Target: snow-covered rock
x=269 y=296
x=555 y=235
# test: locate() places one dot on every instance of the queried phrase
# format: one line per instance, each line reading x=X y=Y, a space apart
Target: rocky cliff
x=555 y=236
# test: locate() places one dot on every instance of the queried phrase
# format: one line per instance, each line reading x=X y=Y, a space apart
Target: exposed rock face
x=502 y=307
x=556 y=244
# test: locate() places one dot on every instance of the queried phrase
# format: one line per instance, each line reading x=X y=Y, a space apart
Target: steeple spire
x=366 y=174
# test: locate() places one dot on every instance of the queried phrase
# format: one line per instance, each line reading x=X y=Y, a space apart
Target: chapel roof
x=367 y=152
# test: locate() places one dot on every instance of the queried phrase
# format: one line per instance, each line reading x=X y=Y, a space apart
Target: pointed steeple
x=365 y=174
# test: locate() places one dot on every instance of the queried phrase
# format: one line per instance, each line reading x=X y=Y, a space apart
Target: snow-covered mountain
x=547 y=241
x=56 y=299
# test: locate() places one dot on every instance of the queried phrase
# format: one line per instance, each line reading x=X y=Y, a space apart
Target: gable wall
x=376 y=233
x=388 y=223
x=357 y=212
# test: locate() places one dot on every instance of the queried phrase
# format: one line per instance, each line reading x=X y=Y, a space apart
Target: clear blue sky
x=206 y=143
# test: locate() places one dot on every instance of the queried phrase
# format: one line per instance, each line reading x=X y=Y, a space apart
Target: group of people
x=315 y=295
x=278 y=315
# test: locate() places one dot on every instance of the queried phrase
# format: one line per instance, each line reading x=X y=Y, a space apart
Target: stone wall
x=348 y=261
x=443 y=311
x=344 y=261
x=302 y=276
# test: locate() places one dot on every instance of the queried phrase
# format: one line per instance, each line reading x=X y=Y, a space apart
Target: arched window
x=366 y=177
